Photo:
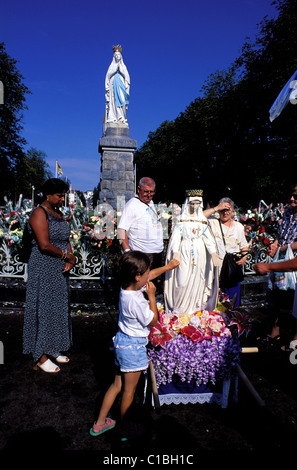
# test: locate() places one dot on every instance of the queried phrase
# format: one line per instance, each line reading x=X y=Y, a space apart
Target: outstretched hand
x=173 y=264
x=261 y=268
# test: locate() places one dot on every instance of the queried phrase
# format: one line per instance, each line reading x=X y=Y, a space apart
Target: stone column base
x=117 y=171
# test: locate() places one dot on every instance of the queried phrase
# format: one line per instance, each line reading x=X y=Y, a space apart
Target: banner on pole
x=287 y=95
x=59 y=171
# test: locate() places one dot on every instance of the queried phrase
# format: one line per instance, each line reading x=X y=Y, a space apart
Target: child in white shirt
x=136 y=317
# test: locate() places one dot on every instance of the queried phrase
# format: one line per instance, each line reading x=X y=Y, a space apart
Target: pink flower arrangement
x=196 y=347
x=197 y=326
x=201 y=325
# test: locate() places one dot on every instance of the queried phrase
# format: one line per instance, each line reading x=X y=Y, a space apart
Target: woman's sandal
x=47 y=366
x=62 y=359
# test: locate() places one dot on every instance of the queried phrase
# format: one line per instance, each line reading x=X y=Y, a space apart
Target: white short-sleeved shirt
x=234 y=236
x=135 y=313
x=144 y=230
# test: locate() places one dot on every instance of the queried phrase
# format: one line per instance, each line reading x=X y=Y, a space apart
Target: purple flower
x=205 y=362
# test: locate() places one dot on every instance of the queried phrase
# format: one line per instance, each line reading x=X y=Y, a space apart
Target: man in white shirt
x=139 y=227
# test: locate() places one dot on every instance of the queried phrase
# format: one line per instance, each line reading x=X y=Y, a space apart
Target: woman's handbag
x=231 y=273
x=280 y=280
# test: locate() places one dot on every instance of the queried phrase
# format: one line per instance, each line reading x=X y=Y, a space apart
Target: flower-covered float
x=194 y=356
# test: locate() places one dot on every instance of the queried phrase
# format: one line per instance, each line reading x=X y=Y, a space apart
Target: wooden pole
x=154 y=386
x=249 y=386
x=249 y=350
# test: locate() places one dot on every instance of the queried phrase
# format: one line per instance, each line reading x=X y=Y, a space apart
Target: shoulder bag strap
x=223 y=236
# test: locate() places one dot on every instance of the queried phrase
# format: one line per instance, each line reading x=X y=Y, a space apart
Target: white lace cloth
x=201 y=398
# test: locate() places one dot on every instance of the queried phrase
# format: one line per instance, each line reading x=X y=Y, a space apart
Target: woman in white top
x=230 y=238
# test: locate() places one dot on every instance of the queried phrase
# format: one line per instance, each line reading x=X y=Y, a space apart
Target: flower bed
x=94 y=235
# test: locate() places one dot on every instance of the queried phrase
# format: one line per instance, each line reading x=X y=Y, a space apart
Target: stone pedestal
x=117 y=172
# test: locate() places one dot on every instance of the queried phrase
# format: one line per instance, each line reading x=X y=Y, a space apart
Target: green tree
x=224 y=142
x=11 y=141
x=31 y=170
x=82 y=198
x=96 y=194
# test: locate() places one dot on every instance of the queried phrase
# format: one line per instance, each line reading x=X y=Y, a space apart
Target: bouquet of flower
x=196 y=347
x=96 y=230
x=12 y=223
x=204 y=362
x=261 y=225
x=198 y=326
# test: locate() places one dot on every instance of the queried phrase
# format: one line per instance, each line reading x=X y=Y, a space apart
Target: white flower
x=195 y=320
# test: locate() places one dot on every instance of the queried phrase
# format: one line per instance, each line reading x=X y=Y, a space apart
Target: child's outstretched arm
x=151 y=291
x=168 y=267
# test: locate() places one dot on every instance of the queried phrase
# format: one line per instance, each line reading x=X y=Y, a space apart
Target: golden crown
x=117 y=48
x=194 y=192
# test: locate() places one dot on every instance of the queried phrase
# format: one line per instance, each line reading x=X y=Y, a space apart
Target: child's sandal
x=96 y=430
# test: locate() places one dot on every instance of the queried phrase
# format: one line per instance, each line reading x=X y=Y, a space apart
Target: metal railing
x=92 y=265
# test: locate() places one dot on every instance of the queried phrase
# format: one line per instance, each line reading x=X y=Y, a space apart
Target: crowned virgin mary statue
x=193 y=285
x=117 y=89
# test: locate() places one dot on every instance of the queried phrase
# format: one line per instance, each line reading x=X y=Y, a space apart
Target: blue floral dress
x=288 y=230
x=47 y=326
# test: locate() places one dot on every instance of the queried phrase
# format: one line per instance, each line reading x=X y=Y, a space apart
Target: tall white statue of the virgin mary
x=117 y=88
x=193 y=285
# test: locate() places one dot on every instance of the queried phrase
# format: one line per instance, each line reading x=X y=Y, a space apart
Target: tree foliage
x=224 y=142
x=19 y=170
x=31 y=170
x=11 y=141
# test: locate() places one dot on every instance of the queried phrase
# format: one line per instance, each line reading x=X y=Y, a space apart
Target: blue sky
x=64 y=48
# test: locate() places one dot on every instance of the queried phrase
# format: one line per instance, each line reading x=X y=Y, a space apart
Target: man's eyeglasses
x=148 y=192
x=294 y=196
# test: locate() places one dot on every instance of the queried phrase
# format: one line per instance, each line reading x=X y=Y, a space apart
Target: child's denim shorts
x=130 y=352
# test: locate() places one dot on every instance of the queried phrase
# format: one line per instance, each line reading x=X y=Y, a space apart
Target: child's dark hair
x=131 y=264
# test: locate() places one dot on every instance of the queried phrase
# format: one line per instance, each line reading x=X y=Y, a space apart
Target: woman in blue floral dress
x=47 y=326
